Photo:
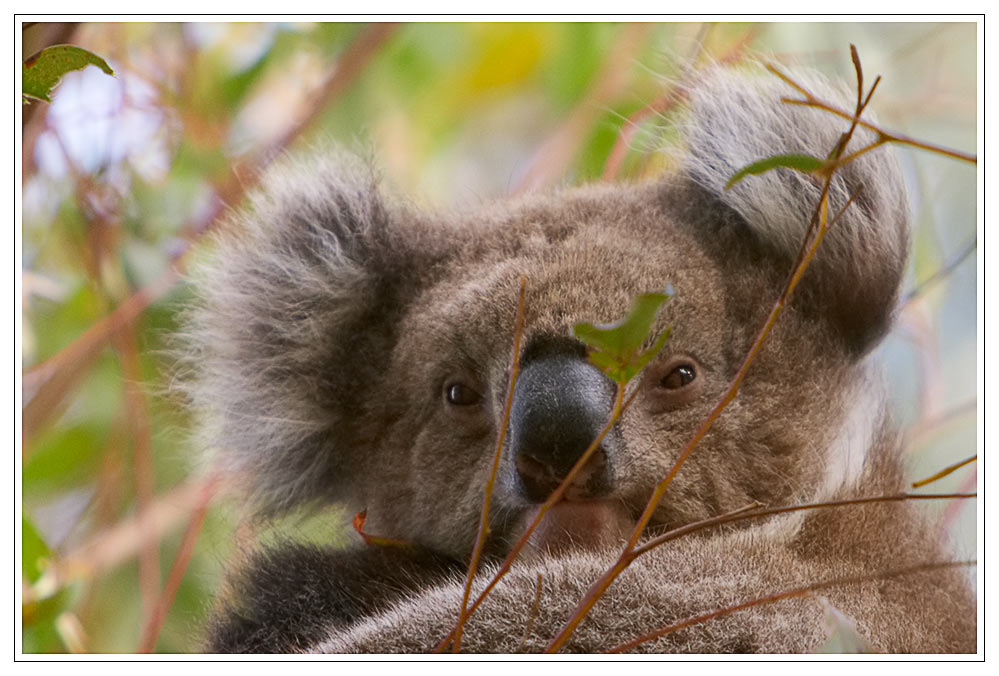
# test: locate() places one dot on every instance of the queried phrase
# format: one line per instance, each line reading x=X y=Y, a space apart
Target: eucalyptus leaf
x=626 y=335
x=33 y=550
x=41 y=73
x=615 y=347
x=648 y=355
x=804 y=163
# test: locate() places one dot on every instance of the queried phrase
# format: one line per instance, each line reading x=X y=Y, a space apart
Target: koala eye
x=681 y=376
x=672 y=384
x=459 y=394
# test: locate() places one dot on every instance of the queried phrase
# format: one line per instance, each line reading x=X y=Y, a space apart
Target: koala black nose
x=560 y=404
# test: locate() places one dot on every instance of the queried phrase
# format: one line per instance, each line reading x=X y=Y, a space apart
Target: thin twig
x=798 y=591
x=532 y=618
x=142 y=466
x=483 y=534
x=152 y=629
x=620 y=405
x=813 y=101
x=49 y=382
x=676 y=94
x=755 y=512
x=120 y=542
x=600 y=586
x=819 y=224
x=954 y=509
x=748 y=510
x=942 y=273
x=101 y=221
x=945 y=471
x=556 y=153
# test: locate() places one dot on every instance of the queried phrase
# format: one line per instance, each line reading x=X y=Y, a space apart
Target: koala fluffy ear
x=853 y=281
x=274 y=356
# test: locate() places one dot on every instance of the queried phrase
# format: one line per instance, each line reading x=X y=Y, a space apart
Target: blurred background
x=124 y=534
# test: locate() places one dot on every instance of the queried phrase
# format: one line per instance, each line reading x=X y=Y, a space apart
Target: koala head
x=352 y=348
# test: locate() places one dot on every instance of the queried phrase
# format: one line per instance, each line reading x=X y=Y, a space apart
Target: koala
x=350 y=348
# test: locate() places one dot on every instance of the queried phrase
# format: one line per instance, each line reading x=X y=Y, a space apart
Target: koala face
x=445 y=384
x=353 y=349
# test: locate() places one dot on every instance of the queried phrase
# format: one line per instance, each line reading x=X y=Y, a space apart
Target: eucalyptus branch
x=812 y=101
x=533 y=617
x=52 y=380
x=942 y=273
x=555 y=497
x=945 y=471
x=600 y=586
x=755 y=511
x=619 y=350
x=798 y=591
x=819 y=224
x=480 y=540
x=154 y=625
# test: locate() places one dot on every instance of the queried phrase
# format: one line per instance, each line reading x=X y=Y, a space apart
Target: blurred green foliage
x=122 y=176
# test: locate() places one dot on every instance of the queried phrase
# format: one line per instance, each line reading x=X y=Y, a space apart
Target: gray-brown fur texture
x=351 y=349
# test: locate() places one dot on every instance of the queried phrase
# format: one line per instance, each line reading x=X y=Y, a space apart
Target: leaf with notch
x=615 y=347
x=41 y=73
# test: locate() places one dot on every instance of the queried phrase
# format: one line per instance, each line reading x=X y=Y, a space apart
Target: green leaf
x=34 y=551
x=626 y=335
x=615 y=348
x=603 y=361
x=42 y=72
x=646 y=357
x=805 y=163
x=38 y=616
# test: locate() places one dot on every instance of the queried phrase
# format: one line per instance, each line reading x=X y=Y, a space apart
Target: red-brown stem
x=798 y=591
x=754 y=512
x=480 y=539
x=151 y=631
x=677 y=94
x=619 y=407
x=942 y=273
x=820 y=219
x=953 y=509
x=819 y=224
x=535 y=609
x=142 y=466
x=59 y=374
x=741 y=514
x=854 y=155
x=891 y=136
x=945 y=471
x=627 y=556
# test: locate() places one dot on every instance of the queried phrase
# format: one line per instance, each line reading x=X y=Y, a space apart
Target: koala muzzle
x=560 y=404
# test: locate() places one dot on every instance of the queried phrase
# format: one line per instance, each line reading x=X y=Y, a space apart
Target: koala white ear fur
x=736 y=118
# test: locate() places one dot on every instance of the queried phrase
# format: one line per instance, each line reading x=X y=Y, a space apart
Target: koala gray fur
x=334 y=321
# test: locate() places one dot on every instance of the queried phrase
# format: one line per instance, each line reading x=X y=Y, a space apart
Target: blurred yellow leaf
x=507 y=54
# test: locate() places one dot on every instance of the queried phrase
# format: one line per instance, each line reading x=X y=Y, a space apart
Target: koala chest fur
x=351 y=349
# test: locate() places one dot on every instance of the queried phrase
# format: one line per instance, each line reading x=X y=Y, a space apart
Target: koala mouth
x=575 y=525
x=582 y=519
